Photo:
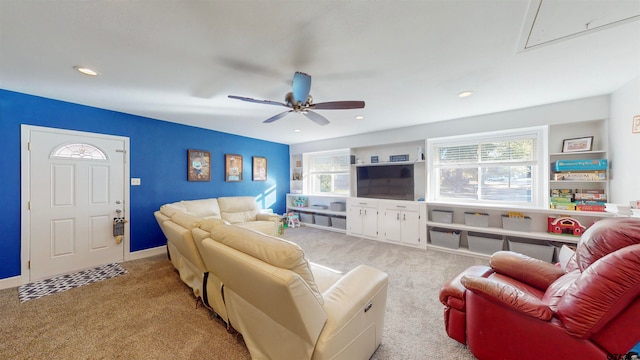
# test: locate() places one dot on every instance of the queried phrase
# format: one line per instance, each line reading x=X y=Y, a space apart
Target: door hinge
x=28 y=205
x=29 y=146
x=29 y=264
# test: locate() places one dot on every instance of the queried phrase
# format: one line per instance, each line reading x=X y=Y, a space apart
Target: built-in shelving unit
x=558 y=135
x=537 y=234
x=333 y=220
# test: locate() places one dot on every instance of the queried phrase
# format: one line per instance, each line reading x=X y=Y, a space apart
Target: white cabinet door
x=392 y=225
x=362 y=217
x=370 y=222
x=354 y=220
x=410 y=221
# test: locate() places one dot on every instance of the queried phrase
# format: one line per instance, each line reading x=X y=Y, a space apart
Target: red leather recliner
x=524 y=308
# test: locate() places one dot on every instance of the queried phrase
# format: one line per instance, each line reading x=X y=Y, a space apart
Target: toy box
x=581 y=176
x=581 y=165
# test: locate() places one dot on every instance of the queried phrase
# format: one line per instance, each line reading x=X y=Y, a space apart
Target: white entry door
x=76 y=189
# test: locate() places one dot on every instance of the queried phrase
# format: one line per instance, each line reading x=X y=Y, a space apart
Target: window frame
x=311 y=173
x=539 y=164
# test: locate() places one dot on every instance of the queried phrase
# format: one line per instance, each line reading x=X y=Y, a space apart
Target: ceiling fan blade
x=338 y=105
x=301 y=87
x=268 y=102
x=316 y=118
x=277 y=117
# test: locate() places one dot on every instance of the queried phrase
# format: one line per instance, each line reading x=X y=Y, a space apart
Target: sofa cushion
x=203 y=208
x=272 y=250
x=186 y=220
x=208 y=224
x=238 y=209
x=170 y=209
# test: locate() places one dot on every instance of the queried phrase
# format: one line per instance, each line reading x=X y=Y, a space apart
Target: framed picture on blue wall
x=198 y=165
x=232 y=167
x=259 y=168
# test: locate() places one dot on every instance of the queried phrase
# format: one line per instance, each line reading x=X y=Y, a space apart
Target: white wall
x=624 y=146
x=593 y=108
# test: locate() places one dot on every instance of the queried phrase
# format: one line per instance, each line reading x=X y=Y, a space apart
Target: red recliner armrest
x=452 y=293
x=509 y=296
x=531 y=271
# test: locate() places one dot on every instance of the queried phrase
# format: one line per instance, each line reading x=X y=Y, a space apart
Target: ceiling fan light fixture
x=86 y=70
x=465 y=94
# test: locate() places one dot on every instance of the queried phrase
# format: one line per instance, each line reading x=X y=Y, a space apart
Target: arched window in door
x=79 y=151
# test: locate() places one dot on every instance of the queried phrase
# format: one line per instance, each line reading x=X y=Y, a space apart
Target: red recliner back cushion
x=603 y=290
x=605 y=237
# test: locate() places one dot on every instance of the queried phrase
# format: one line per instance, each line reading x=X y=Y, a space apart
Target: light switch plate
x=135 y=181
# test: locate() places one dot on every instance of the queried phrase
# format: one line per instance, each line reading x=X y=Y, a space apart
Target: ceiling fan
x=299 y=100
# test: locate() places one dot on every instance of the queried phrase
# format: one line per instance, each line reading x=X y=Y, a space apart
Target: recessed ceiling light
x=359 y=117
x=296 y=130
x=86 y=70
x=464 y=94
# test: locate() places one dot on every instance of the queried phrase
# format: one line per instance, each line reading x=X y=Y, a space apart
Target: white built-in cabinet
x=408 y=223
x=394 y=221
x=362 y=218
x=401 y=223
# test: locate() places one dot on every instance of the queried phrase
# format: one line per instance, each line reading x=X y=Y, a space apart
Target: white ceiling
x=178 y=60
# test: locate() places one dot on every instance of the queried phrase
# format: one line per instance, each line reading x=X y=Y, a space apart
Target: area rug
x=61 y=283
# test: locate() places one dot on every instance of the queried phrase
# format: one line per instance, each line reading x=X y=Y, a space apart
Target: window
x=328 y=172
x=498 y=168
x=79 y=151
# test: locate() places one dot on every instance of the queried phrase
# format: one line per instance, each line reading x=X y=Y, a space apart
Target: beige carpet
x=150 y=314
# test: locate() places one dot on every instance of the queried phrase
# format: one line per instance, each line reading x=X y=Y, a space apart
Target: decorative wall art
x=259 y=168
x=198 y=165
x=232 y=167
x=577 y=144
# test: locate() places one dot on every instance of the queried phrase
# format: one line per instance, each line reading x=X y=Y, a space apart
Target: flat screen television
x=386 y=182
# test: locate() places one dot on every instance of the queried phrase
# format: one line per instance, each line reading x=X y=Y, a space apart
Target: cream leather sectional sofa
x=178 y=219
x=285 y=306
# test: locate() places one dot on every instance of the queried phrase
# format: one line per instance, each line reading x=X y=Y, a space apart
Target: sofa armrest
x=353 y=295
x=537 y=273
x=268 y=217
x=508 y=295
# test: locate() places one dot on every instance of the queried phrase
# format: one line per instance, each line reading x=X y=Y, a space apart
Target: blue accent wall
x=158 y=156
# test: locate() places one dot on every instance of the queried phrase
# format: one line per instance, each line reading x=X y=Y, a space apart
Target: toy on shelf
x=565 y=225
x=293 y=220
x=300 y=201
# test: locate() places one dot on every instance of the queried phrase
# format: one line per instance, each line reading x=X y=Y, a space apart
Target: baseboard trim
x=11 y=282
x=147 y=252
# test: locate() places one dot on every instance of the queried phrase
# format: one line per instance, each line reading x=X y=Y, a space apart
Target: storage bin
x=306 y=218
x=538 y=250
x=339 y=223
x=322 y=220
x=484 y=243
x=516 y=223
x=337 y=206
x=445 y=238
x=476 y=219
x=443 y=216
